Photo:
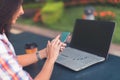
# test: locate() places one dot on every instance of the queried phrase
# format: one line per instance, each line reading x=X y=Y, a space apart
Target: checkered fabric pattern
x=9 y=66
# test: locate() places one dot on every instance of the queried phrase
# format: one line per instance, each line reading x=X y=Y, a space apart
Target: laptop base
x=77 y=59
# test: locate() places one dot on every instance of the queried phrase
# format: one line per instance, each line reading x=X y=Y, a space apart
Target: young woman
x=10 y=64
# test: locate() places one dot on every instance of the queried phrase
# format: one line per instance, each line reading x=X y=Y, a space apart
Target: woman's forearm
x=46 y=71
x=27 y=59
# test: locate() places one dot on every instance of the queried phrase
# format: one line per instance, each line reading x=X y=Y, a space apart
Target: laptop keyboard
x=75 y=54
x=80 y=58
x=62 y=57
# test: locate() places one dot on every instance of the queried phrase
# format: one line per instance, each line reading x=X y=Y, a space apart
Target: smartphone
x=64 y=36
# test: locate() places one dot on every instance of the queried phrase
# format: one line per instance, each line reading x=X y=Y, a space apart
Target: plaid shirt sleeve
x=9 y=66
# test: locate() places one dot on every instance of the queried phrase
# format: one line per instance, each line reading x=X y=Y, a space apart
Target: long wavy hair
x=8 y=8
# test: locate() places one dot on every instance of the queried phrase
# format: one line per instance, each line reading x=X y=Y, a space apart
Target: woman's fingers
x=56 y=38
x=62 y=48
x=57 y=42
x=63 y=44
x=54 y=47
x=49 y=43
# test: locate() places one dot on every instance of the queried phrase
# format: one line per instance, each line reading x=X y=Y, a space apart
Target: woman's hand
x=53 y=49
x=63 y=45
x=43 y=52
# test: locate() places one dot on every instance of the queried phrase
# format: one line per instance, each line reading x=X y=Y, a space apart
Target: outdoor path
x=18 y=28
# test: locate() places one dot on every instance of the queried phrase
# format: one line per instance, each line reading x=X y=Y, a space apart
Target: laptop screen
x=92 y=36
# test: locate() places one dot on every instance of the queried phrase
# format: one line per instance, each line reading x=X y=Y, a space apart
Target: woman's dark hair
x=7 y=10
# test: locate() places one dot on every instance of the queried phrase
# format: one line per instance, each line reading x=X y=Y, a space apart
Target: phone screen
x=64 y=36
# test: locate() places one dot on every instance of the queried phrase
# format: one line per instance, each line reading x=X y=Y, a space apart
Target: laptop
x=89 y=44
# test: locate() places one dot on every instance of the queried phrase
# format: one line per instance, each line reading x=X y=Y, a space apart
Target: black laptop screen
x=92 y=36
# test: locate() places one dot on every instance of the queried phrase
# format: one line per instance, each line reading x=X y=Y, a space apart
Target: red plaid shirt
x=9 y=66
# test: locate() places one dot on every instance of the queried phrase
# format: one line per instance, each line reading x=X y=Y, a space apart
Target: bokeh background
x=60 y=15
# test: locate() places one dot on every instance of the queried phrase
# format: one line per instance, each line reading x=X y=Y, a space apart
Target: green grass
x=32 y=6
x=67 y=21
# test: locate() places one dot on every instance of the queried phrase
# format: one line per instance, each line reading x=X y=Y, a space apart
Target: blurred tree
x=52 y=12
